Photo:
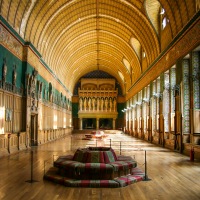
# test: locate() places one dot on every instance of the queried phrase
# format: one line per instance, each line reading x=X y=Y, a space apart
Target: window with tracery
x=186 y=97
x=166 y=101
x=196 y=78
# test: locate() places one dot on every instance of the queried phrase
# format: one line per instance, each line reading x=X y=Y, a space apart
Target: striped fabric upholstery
x=95 y=171
x=81 y=155
x=99 y=148
x=120 y=165
x=114 y=154
x=138 y=172
x=108 y=157
x=131 y=163
x=92 y=183
x=95 y=167
x=127 y=180
x=95 y=157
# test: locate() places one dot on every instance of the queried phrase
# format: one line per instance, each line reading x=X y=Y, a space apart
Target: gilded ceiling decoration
x=76 y=37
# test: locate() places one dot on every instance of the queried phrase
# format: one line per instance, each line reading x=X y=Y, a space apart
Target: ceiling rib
x=97 y=31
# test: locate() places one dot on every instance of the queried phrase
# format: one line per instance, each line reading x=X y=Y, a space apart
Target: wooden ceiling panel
x=75 y=37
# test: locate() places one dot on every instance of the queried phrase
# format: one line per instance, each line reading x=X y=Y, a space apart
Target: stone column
x=81 y=124
x=98 y=104
x=114 y=123
x=80 y=104
x=85 y=103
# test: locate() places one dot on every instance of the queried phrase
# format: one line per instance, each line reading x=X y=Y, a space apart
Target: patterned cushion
x=95 y=157
x=136 y=171
x=92 y=183
x=95 y=167
x=99 y=148
x=80 y=155
x=120 y=165
x=94 y=171
x=114 y=154
x=131 y=163
x=70 y=163
x=127 y=180
x=108 y=156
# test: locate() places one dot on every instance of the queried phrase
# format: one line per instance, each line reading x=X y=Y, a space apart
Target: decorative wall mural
x=10 y=42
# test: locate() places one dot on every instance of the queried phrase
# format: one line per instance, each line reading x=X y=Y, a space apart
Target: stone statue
x=110 y=104
x=114 y=104
x=89 y=104
x=102 y=102
x=106 y=104
x=93 y=103
x=85 y=103
x=98 y=104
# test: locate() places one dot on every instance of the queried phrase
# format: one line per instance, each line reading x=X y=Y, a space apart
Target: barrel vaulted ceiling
x=76 y=37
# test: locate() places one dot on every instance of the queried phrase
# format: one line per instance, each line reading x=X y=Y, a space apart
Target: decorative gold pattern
x=10 y=42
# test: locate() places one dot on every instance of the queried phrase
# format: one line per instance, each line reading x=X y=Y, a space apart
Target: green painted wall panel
x=75 y=110
x=11 y=60
x=22 y=68
x=120 y=107
x=1 y=61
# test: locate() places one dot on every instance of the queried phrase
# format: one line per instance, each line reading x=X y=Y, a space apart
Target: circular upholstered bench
x=94 y=167
x=94 y=163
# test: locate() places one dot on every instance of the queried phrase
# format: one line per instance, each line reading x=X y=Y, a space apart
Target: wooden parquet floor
x=172 y=175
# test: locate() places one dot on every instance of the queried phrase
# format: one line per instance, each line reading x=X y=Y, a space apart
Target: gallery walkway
x=173 y=176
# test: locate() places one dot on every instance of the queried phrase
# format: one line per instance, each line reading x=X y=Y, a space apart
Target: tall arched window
x=127 y=64
x=166 y=101
x=153 y=12
x=135 y=44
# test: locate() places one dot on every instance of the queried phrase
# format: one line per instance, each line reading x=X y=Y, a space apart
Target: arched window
x=153 y=11
x=127 y=64
x=135 y=44
x=164 y=22
x=121 y=75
